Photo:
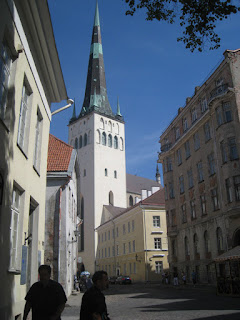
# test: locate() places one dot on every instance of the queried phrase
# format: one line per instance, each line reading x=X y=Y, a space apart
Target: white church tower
x=99 y=137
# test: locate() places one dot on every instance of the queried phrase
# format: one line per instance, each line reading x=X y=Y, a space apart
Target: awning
x=233 y=254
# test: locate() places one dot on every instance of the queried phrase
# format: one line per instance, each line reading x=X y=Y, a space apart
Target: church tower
x=99 y=137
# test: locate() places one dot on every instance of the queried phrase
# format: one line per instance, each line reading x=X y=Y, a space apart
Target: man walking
x=46 y=297
x=93 y=301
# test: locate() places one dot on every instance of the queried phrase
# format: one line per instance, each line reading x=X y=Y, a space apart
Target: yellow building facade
x=134 y=241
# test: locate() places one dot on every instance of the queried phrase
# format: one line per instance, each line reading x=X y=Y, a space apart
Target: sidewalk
x=72 y=307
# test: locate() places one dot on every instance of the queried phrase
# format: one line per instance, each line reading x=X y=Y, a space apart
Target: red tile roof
x=59 y=154
x=157 y=198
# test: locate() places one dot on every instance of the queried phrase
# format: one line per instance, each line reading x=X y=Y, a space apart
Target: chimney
x=144 y=194
x=155 y=189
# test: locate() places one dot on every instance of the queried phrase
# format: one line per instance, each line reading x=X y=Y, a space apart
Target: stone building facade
x=200 y=159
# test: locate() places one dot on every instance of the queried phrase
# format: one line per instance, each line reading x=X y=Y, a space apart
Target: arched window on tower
x=101 y=123
x=104 y=139
x=130 y=201
x=98 y=138
x=115 y=174
x=121 y=144
x=111 y=198
x=85 y=139
x=117 y=128
x=76 y=143
x=109 y=126
x=80 y=142
x=89 y=136
x=110 y=140
x=115 y=142
x=106 y=172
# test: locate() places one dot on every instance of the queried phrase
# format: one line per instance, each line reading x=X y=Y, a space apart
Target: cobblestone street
x=154 y=301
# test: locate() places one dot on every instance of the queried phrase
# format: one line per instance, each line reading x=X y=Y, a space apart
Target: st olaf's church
x=98 y=134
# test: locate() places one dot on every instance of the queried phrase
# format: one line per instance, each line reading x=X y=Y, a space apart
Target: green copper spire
x=96 y=18
x=118 y=109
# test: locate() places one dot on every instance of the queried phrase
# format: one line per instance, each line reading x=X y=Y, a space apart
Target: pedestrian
x=183 y=278
x=46 y=297
x=163 y=277
x=166 y=277
x=93 y=305
x=194 y=278
x=88 y=283
x=175 y=278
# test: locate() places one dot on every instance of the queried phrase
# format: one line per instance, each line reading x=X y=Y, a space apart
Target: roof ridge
x=68 y=145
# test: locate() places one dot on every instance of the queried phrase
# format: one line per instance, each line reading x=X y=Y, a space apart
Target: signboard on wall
x=24 y=265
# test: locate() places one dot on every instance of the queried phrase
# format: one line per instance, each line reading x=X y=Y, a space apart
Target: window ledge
x=36 y=170
x=5 y=125
x=157 y=232
x=22 y=151
x=14 y=271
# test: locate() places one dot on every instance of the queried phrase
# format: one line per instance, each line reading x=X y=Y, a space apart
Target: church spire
x=96 y=91
x=158 y=177
x=118 y=115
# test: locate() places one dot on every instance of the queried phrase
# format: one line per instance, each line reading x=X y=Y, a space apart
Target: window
x=196 y=141
x=133 y=225
x=185 y=124
x=158 y=267
x=101 y=123
x=117 y=250
x=14 y=230
x=113 y=251
x=206 y=242
x=129 y=247
x=115 y=174
x=104 y=139
x=219 y=240
x=156 y=221
x=186 y=245
x=179 y=157
x=200 y=171
x=173 y=218
x=121 y=144
x=109 y=235
x=181 y=184
x=204 y=104
x=124 y=229
x=109 y=126
x=133 y=246
x=190 y=178
x=130 y=201
x=106 y=172
x=203 y=204
x=184 y=213
x=115 y=142
x=129 y=227
x=5 y=66
x=207 y=131
x=211 y=164
x=105 y=252
x=117 y=231
x=124 y=248
x=80 y=142
x=194 y=115
x=23 y=118
x=236 y=180
x=195 y=244
x=169 y=164
x=76 y=143
x=158 y=243
x=193 y=210
x=85 y=140
x=177 y=133
x=223 y=152
x=187 y=149
x=110 y=140
x=227 y=113
x=110 y=196
x=84 y=173
x=38 y=136
x=214 y=195
x=233 y=152
x=171 y=190
x=219 y=117
x=228 y=190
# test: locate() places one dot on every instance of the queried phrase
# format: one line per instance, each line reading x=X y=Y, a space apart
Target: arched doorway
x=236 y=238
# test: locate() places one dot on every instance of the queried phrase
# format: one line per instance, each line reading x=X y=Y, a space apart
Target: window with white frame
x=110 y=140
x=194 y=114
x=115 y=142
x=229 y=190
x=196 y=140
x=38 y=140
x=104 y=139
x=169 y=164
x=193 y=209
x=211 y=164
x=215 y=202
x=23 y=118
x=204 y=104
x=158 y=267
x=203 y=204
x=5 y=67
x=187 y=149
x=158 y=243
x=156 y=221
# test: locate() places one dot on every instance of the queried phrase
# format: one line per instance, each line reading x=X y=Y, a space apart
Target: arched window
x=195 y=243
x=76 y=143
x=117 y=128
x=109 y=126
x=89 y=137
x=80 y=142
x=115 y=142
x=186 y=245
x=84 y=173
x=106 y=172
x=85 y=139
x=111 y=198
x=115 y=174
x=101 y=123
x=121 y=144
x=130 y=201
x=104 y=139
x=98 y=139
x=206 y=242
x=219 y=240
x=110 y=140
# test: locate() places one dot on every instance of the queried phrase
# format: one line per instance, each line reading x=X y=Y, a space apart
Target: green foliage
x=197 y=17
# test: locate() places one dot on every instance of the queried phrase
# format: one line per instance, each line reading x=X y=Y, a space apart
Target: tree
x=198 y=17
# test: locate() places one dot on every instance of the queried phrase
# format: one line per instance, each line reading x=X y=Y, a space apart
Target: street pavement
x=165 y=302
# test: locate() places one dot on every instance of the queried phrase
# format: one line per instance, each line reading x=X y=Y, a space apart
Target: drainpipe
x=114 y=243
x=145 y=238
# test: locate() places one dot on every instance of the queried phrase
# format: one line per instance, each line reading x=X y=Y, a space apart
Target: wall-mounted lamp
x=136 y=257
x=27 y=238
x=76 y=234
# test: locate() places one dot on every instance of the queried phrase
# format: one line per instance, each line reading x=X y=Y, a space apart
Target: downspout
x=145 y=240
x=114 y=243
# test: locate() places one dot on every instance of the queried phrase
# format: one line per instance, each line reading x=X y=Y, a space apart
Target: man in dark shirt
x=93 y=301
x=46 y=297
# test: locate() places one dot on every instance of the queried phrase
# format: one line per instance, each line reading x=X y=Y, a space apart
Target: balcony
x=166 y=147
x=218 y=91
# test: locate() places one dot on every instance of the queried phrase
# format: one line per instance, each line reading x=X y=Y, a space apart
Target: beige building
x=200 y=158
x=134 y=240
x=30 y=80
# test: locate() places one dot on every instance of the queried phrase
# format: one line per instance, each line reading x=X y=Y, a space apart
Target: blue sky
x=145 y=66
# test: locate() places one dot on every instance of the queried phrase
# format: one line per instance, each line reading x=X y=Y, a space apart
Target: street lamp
x=69 y=101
